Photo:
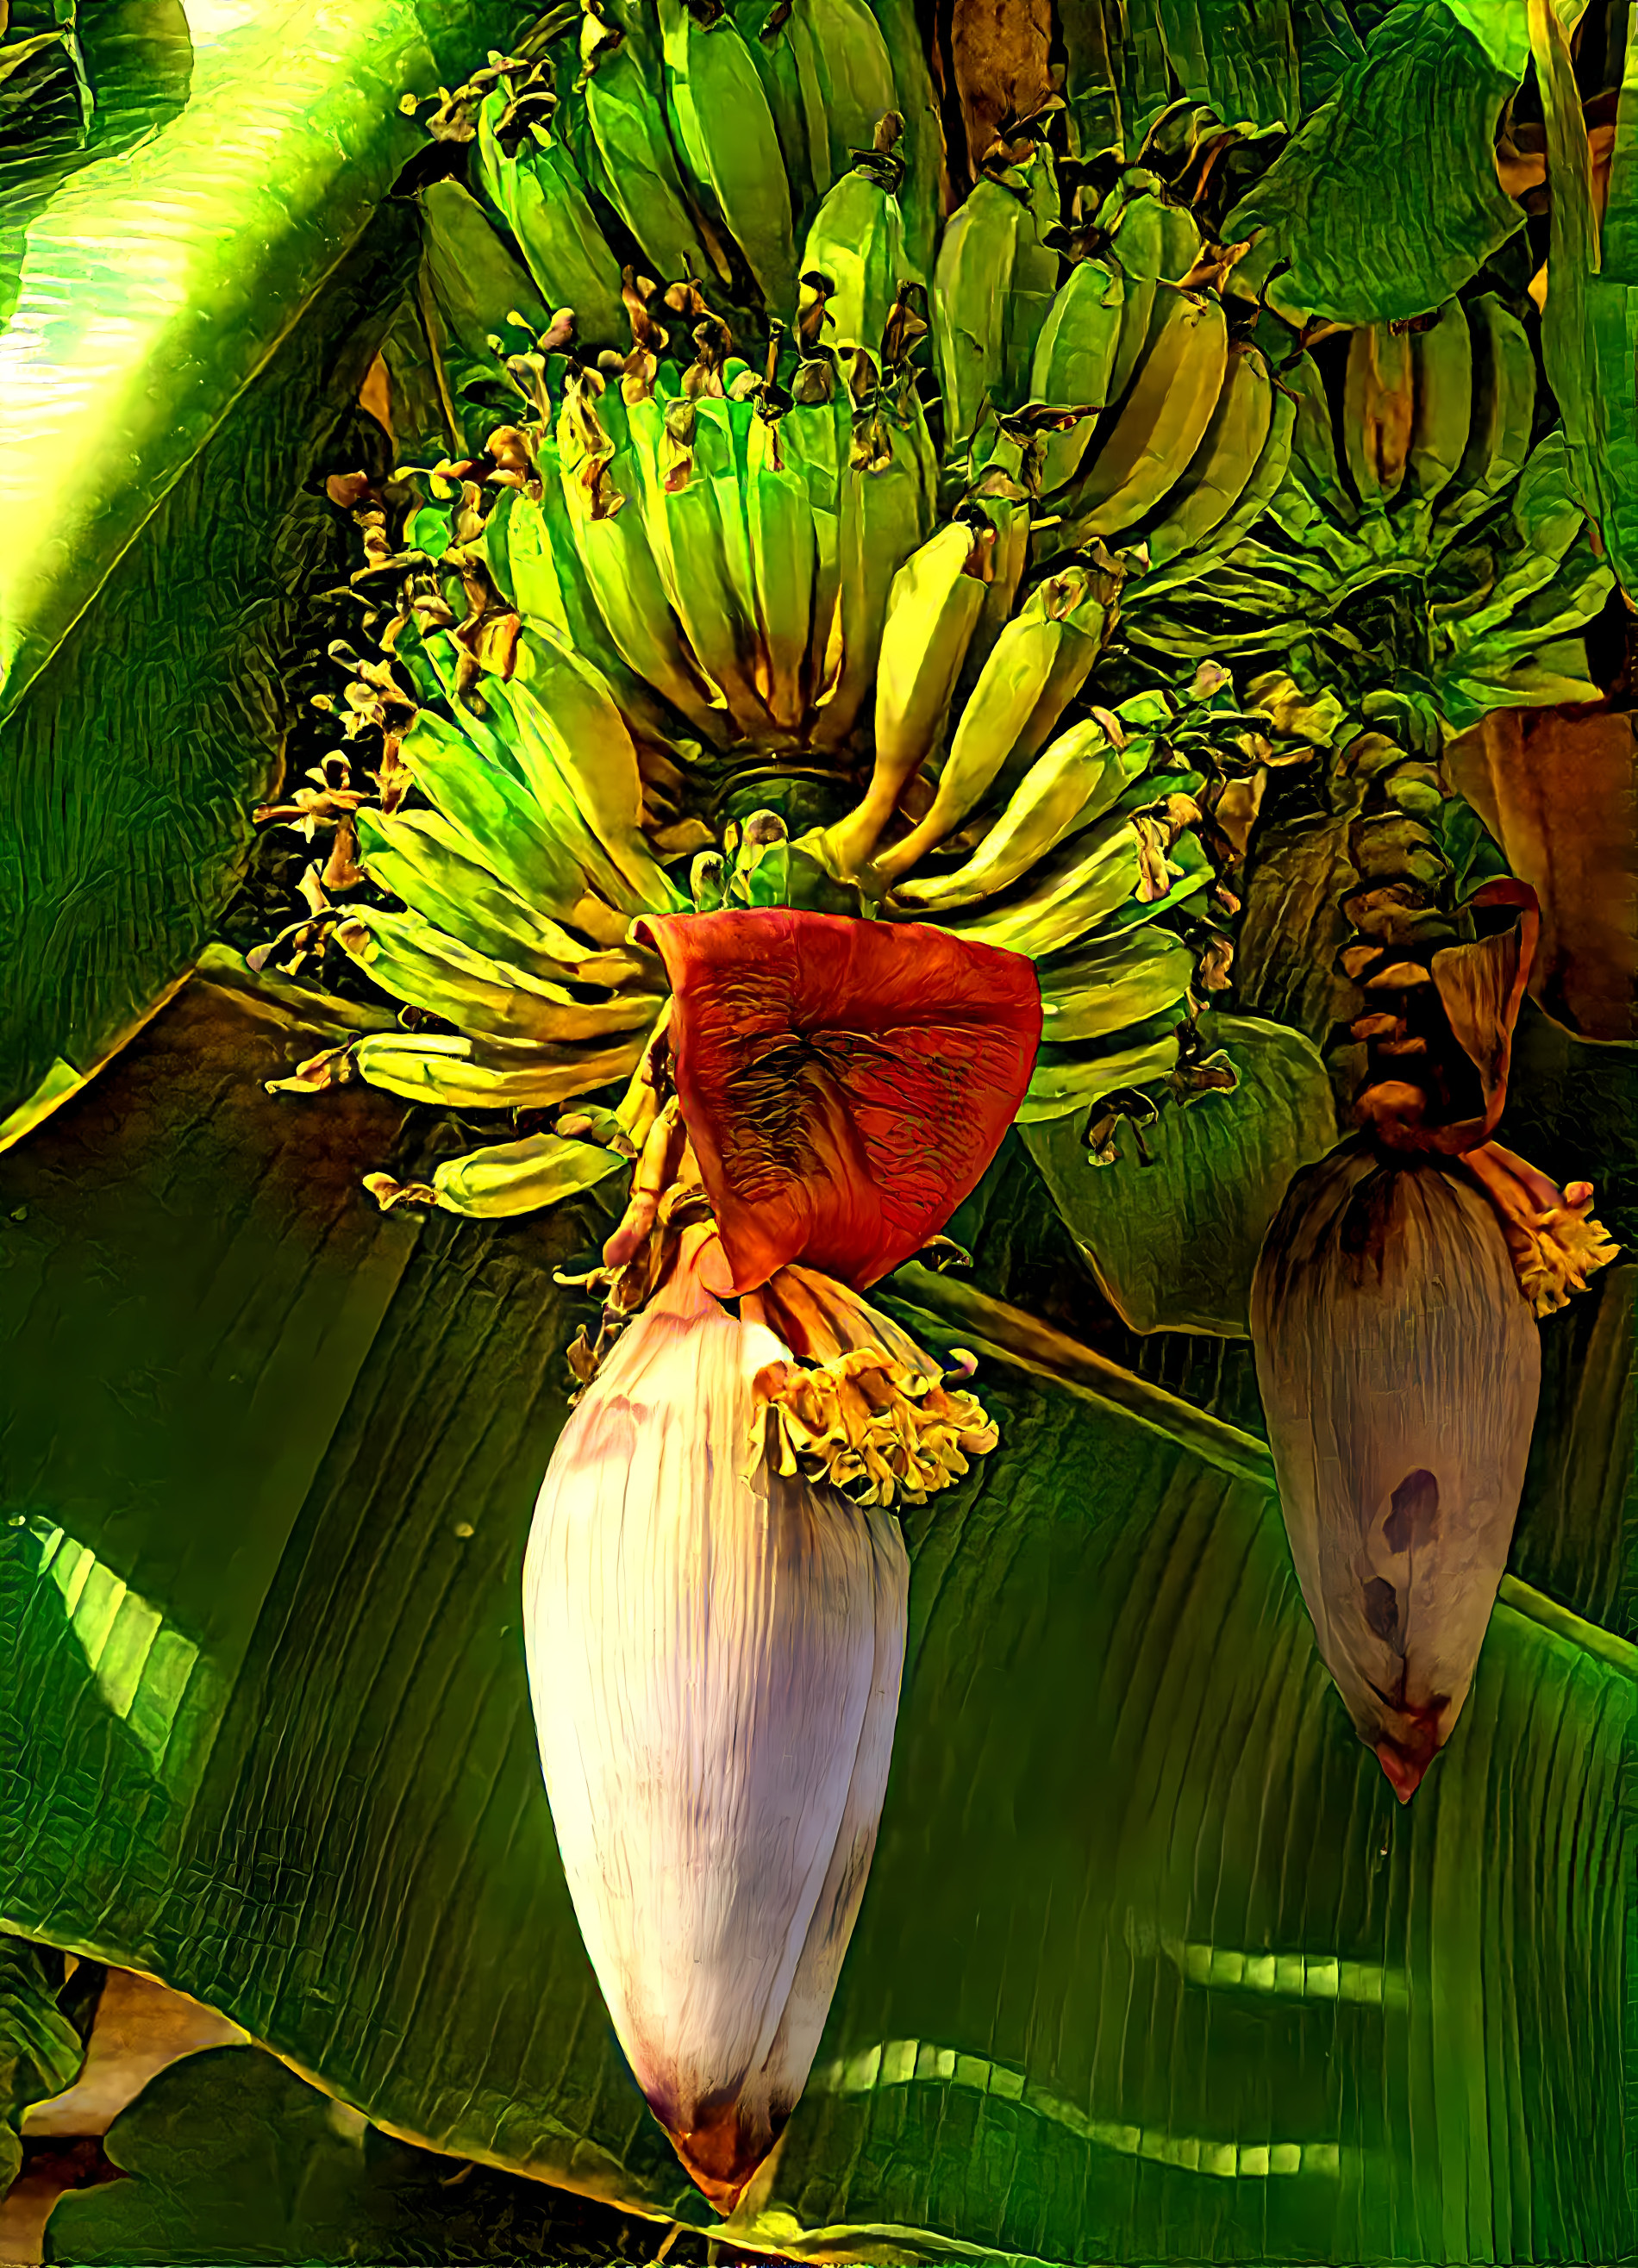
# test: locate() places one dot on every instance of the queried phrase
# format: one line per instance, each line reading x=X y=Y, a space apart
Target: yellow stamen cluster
x=868 y=1424
x=1553 y=1239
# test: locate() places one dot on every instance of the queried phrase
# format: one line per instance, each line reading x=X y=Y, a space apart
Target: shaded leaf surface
x=1418 y=107
x=1174 y=1242
x=1148 y=1968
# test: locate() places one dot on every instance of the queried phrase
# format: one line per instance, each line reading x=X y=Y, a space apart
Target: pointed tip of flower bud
x=1404 y=1756
x=1404 y=1773
x=723 y=2149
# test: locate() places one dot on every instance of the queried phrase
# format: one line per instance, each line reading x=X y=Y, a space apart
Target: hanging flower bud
x=1398 y=1362
x=715 y=1586
x=1393 y=1314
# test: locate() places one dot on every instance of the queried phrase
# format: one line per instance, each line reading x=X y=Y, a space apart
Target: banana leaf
x=194 y=310
x=1150 y=1966
x=1174 y=1224
x=1589 y=323
x=41 y=2050
x=1418 y=109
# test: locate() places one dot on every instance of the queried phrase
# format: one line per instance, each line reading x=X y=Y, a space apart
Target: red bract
x=844 y=1083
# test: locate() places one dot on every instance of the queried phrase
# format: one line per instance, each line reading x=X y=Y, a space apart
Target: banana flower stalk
x=715 y=1586
x=1394 y=1313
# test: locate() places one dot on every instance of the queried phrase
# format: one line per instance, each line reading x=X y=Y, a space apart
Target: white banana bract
x=714 y=1655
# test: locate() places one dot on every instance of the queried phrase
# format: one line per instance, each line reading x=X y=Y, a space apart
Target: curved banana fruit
x=1161 y=423
x=1074 y=366
x=933 y=609
x=1060 y=1085
x=1442 y=385
x=1193 y=564
x=1501 y=419
x=845 y=75
x=1074 y=782
x=427 y=1068
x=1036 y=666
x=1101 y=871
x=883 y=520
x=507 y=1179
x=430 y=969
x=971 y=284
x=542 y=199
x=1229 y=455
x=856 y=243
x=620 y=87
x=423 y=859
x=1377 y=412
x=726 y=134
x=1144 y=972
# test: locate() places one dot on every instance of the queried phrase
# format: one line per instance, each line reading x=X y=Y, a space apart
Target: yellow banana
x=1035 y=667
x=428 y=863
x=784 y=551
x=881 y=523
x=1075 y=361
x=931 y=611
x=508 y=1179
x=1192 y=565
x=1060 y=1086
x=415 y=962
x=1074 y=782
x=573 y=749
x=1223 y=465
x=454 y=1073
x=1145 y=971
x=1162 y=422
x=1084 y=884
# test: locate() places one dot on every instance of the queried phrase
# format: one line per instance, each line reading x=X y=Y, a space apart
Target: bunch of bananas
x=1424 y=555
x=747 y=620
x=733 y=636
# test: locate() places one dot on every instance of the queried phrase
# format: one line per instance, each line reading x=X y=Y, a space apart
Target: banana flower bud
x=1393 y=1313
x=715 y=1588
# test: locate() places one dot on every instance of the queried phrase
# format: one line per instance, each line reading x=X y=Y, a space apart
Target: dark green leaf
x=40 y=2052
x=1417 y=109
x=1150 y=1965
x=1174 y=1242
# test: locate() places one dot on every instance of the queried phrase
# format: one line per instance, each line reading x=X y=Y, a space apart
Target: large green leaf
x=40 y=2051
x=1150 y=1966
x=1590 y=324
x=1416 y=109
x=1174 y=1225
x=190 y=313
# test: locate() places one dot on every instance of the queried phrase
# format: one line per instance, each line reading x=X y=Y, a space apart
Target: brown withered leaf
x=1001 y=49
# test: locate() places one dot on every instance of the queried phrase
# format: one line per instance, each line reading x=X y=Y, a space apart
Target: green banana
x=1138 y=244
x=1060 y=1084
x=1502 y=411
x=456 y=1073
x=1442 y=383
x=933 y=609
x=1069 y=786
x=542 y=200
x=1036 y=666
x=620 y=569
x=502 y=827
x=845 y=74
x=1100 y=871
x=1161 y=423
x=1144 y=972
x=881 y=521
x=784 y=564
x=923 y=144
x=572 y=748
x=1033 y=283
x=620 y=87
x=971 y=284
x=1377 y=412
x=415 y=962
x=1224 y=464
x=421 y=859
x=469 y=272
x=1075 y=361
x=856 y=243
x=726 y=135
x=765 y=29
x=508 y=1179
